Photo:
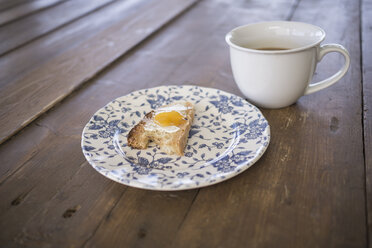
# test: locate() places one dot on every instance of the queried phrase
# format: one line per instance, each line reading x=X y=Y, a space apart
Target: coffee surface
x=272 y=48
x=267 y=48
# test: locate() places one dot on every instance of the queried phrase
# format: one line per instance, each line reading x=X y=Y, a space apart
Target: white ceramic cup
x=277 y=78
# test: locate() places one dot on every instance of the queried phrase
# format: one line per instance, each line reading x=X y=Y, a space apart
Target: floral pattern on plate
x=228 y=135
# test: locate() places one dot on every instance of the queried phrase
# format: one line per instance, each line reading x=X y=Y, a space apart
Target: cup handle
x=324 y=49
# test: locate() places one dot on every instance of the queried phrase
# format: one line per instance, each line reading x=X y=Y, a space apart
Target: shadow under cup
x=273 y=62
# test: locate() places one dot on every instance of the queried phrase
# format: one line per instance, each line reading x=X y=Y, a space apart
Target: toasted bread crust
x=170 y=143
x=137 y=137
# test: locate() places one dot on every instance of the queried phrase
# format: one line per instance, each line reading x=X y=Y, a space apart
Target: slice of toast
x=167 y=126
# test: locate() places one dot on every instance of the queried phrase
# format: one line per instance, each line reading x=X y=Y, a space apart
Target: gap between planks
x=366 y=73
x=26 y=34
x=24 y=10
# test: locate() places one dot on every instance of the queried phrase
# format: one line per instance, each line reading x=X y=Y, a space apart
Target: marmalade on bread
x=168 y=126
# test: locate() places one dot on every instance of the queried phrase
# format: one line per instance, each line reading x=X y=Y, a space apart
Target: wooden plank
x=26 y=29
x=65 y=208
x=307 y=191
x=204 y=59
x=151 y=219
x=80 y=64
x=43 y=188
x=35 y=158
x=4 y=170
x=7 y=4
x=367 y=104
x=25 y=9
x=21 y=61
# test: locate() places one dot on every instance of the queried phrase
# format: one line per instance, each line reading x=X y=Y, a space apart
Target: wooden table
x=62 y=60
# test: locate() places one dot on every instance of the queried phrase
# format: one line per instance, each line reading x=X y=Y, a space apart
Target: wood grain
x=8 y=4
x=48 y=84
x=17 y=64
x=65 y=208
x=367 y=104
x=342 y=114
x=306 y=191
x=25 y=9
x=26 y=29
x=42 y=155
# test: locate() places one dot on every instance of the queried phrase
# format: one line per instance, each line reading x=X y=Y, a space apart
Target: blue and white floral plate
x=228 y=135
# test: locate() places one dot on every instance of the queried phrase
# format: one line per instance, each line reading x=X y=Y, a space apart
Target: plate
x=228 y=136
